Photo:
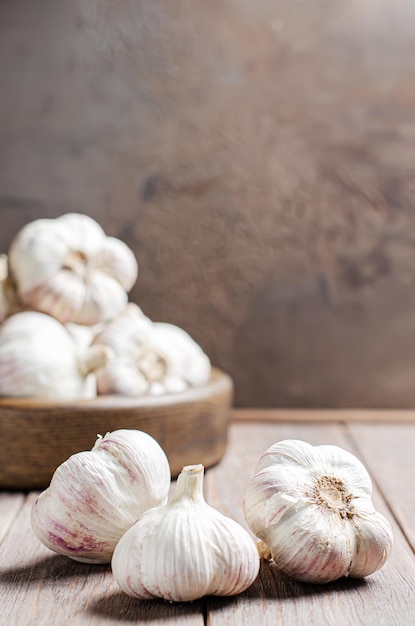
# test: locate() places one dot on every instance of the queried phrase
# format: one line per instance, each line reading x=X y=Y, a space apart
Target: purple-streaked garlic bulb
x=311 y=507
x=95 y=496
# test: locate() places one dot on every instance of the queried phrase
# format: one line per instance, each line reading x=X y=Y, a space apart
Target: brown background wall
x=259 y=158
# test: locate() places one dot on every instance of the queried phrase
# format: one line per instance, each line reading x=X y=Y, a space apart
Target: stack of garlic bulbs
x=67 y=328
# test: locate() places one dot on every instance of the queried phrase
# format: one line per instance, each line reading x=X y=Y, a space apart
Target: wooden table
x=39 y=587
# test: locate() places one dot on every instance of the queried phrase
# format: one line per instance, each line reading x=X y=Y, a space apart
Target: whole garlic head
x=40 y=358
x=312 y=509
x=67 y=267
x=95 y=496
x=150 y=357
x=185 y=549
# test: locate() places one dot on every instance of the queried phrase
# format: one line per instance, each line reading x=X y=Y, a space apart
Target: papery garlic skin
x=8 y=299
x=94 y=497
x=125 y=336
x=67 y=267
x=40 y=358
x=185 y=357
x=150 y=357
x=185 y=549
x=311 y=506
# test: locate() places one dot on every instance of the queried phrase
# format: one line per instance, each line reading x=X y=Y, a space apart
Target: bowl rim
x=218 y=382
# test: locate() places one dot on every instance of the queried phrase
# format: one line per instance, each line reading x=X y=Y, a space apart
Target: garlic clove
x=127 y=333
x=373 y=543
x=95 y=496
x=118 y=261
x=36 y=253
x=102 y=296
x=184 y=356
x=61 y=295
x=120 y=378
x=185 y=549
x=311 y=507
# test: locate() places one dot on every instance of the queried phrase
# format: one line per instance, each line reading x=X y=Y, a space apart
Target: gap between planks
x=323 y=415
x=383 y=599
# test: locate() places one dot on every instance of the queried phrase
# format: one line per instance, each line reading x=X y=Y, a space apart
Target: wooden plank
x=389 y=452
x=42 y=588
x=323 y=415
x=384 y=599
x=10 y=504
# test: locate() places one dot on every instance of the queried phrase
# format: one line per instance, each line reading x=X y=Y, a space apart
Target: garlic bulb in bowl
x=67 y=267
x=39 y=357
x=95 y=496
x=150 y=357
x=312 y=509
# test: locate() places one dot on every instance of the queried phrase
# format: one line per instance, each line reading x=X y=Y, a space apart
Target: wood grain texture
x=389 y=452
x=276 y=598
x=191 y=427
x=258 y=157
x=38 y=587
x=324 y=415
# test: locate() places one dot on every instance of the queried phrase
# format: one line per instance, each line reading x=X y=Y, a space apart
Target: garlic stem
x=95 y=357
x=190 y=484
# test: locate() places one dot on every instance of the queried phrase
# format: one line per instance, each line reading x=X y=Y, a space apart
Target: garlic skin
x=185 y=549
x=150 y=357
x=8 y=299
x=311 y=506
x=68 y=268
x=184 y=356
x=40 y=358
x=95 y=496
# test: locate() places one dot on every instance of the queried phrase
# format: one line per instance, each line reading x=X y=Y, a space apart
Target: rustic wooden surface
x=258 y=157
x=38 y=587
x=191 y=427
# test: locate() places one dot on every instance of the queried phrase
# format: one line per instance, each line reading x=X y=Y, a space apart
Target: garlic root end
x=263 y=550
x=95 y=357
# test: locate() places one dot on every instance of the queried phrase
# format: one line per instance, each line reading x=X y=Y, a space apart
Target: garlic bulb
x=95 y=496
x=67 y=267
x=185 y=550
x=312 y=509
x=150 y=357
x=40 y=358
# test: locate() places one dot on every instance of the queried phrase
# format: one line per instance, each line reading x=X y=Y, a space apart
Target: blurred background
x=259 y=159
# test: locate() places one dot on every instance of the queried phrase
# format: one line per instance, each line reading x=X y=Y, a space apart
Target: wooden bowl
x=38 y=435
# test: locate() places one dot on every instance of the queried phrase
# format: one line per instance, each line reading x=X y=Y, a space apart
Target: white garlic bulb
x=185 y=549
x=312 y=509
x=40 y=358
x=95 y=496
x=150 y=357
x=67 y=267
